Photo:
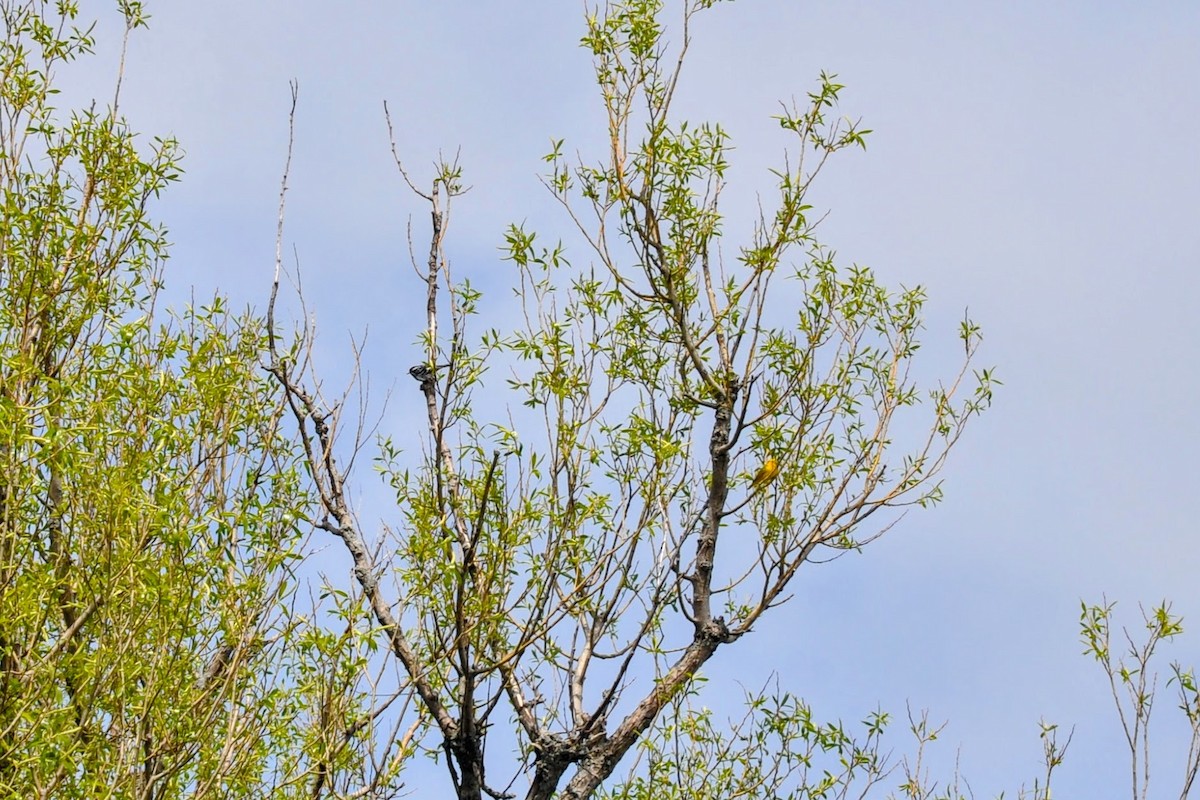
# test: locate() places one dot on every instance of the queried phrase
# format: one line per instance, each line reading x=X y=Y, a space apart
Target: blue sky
x=1033 y=161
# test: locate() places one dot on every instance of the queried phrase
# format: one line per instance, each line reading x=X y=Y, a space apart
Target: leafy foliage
x=149 y=500
x=573 y=560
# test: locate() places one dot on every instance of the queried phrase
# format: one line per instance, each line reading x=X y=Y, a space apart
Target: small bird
x=766 y=473
x=421 y=373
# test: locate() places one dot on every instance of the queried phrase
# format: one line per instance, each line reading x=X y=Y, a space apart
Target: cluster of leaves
x=1134 y=685
x=149 y=499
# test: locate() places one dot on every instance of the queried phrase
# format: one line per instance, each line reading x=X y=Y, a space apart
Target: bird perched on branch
x=766 y=473
x=421 y=373
x=425 y=375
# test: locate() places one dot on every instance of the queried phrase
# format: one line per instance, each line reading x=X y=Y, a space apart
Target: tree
x=579 y=577
x=149 y=497
x=569 y=563
x=1134 y=686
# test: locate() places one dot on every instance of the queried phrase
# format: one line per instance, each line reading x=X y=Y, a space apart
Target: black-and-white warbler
x=421 y=373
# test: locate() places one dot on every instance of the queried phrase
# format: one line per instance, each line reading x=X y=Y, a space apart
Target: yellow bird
x=766 y=473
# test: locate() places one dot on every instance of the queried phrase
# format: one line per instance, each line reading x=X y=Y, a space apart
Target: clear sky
x=1034 y=161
